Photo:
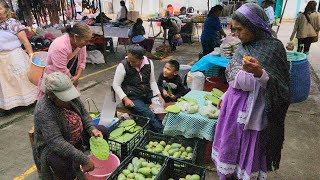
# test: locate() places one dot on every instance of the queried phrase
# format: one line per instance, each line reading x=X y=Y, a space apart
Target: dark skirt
x=147 y=44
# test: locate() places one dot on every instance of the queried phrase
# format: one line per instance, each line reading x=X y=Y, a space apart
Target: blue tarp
x=209 y=61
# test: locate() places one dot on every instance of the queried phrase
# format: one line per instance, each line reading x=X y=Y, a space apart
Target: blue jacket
x=211 y=26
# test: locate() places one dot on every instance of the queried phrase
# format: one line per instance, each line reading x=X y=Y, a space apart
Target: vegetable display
x=189 y=177
x=140 y=169
x=188 y=105
x=174 y=150
x=209 y=110
x=125 y=131
x=99 y=148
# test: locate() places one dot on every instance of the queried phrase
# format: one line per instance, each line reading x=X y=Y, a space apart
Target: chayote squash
x=155 y=171
x=175 y=145
x=121 y=177
x=146 y=171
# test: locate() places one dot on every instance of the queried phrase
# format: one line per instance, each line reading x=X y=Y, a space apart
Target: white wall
x=293 y=8
x=290 y=11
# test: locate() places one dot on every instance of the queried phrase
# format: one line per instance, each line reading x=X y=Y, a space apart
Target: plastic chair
x=123 y=41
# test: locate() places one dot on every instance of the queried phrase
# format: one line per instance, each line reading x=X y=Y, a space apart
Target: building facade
x=152 y=7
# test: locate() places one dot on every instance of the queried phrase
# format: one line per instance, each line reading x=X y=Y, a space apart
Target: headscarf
x=272 y=56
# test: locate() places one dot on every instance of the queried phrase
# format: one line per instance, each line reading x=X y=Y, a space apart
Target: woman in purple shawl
x=250 y=130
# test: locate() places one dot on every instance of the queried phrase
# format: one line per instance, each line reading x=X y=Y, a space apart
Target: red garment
x=74 y=124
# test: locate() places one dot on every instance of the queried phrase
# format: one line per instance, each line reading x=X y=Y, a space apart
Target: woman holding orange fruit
x=250 y=130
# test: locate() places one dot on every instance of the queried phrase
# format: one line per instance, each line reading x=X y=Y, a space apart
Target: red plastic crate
x=215 y=82
x=207 y=152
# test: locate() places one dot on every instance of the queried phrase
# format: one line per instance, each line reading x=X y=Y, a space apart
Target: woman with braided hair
x=250 y=130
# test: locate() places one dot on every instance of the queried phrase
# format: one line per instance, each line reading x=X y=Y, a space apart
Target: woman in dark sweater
x=137 y=33
x=62 y=127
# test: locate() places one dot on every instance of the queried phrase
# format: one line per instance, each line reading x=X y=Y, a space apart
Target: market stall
x=111 y=31
x=194 y=20
x=210 y=61
x=190 y=125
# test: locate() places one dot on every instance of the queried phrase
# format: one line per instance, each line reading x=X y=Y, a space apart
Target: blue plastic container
x=299 y=76
x=97 y=120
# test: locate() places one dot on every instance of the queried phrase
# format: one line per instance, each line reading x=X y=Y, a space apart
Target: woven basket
x=299 y=77
x=36 y=71
x=96 y=113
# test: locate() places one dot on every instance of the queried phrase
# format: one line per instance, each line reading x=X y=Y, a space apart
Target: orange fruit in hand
x=247 y=58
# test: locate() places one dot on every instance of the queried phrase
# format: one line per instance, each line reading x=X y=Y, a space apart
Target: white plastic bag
x=198 y=81
x=95 y=57
x=209 y=110
x=158 y=107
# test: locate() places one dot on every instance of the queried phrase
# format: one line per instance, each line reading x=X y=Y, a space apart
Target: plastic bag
x=229 y=46
x=95 y=57
x=158 y=107
x=99 y=148
x=209 y=110
x=183 y=105
x=192 y=109
x=232 y=40
x=198 y=80
x=188 y=107
x=290 y=46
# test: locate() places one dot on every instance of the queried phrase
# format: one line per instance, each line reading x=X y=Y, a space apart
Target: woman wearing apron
x=15 y=88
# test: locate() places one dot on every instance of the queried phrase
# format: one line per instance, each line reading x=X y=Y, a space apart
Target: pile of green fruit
x=214 y=96
x=174 y=150
x=140 y=169
x=125 y=131
x=189 y=177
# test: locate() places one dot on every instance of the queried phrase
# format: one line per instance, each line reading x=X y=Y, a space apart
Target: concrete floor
x=300 y=158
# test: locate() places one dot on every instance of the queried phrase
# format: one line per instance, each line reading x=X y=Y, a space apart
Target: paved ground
x=300 y=154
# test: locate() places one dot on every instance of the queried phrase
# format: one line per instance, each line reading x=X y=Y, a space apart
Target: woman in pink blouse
x=67 y=53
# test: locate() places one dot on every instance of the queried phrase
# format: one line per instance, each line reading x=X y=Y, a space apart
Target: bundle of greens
x=125 y=132
x=214 y=96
